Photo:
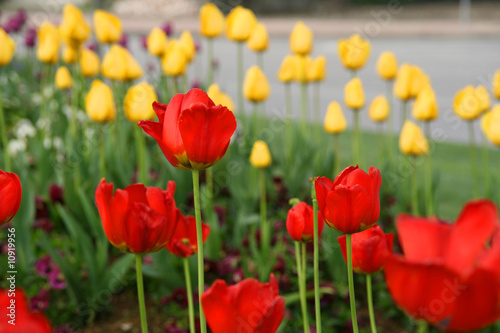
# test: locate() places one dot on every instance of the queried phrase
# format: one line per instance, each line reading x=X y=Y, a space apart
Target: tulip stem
x=288 y=120
x=189 y=295
x=304 y=106
x=3 y=131
x=140 y=145
x=199 y=239
x=317 y=307
x=405 y=113
x=260 y=60
x=350 y=279
x=102 y=151
x=486 y=172
x=263 y=215
x=370 y=302
x=317 y=111
x=176 y=84
x=210 y=53
x=473 y=159
x=414 y=186
x=43 y=105
x=428 y=160
x=390 y=132
x=356 y=137
x=240 y=78
x=498 y=182
x=302 y=288
x=336 y=155
x=140 y=293
x=254 y=121
x=422 y=327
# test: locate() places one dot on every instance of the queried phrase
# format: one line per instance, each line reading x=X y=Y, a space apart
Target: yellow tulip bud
x=211 y=20
x=99 y=103
x=354 y=52
x=138 y=102
x=63 y=78
x=419 y=80
x=239 y=24
x=467 y=104
x=157 y=42
x=403 y=82
x=187 y=44
x=301 y=39
x=387 y=65
x=8 y=47
x=412 y=140
x=256 y=87
x=496 y=84
x=354 y=96
x=174 y=61
x=316 y=70
x=258 y=40
x=286 y=72
x=425 y=107
x=379 y=109
x=490 y=124
x=260 y=157
x=73 y=28
x=119 y=64
x=334 y=119
x=89 y=63
x=218 y=97
x=108 y=28
x=70 y=55
x=302 y=63
x=48 y=43
x=484 y=98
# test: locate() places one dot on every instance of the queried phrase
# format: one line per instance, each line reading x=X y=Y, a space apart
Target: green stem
x=405 y=113
x=199 y=239
x=380 y=135
x=288 y=120
x=140 y=293
x=210 y=53
x=356 y=137
x=263 y=215
x=498 y=181
x=428 y=160
x=189 y=292
x=317 y=111
x=486 y=168
x=390 y=132
x=140 y=145
x=370 y=302
x=304 y=106
x=254 y=121
x=473 y=159
x=240 y=78
x=3 y=131
x=176 y=84
x=414 y=186
x=74 y=106
x=336 y=155
x=260 y=60
x=316 y=258
x=102 y=151
x=43 y=105
x=350 y=279
x=302 y=288
x=422 y=327
x=184 y=83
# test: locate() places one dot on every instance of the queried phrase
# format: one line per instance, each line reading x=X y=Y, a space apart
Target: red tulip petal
x=160 y=109
x=193 y=96
x=273 y=316
x=295 y=221
x=171 y=137
x=143 y=227
x=10 y=194
x=25 y=321
x=112 y=211
x=137 y=193
x=217 y=301
x=341 y=177
x=346 y=208
x=323 y=186
x=155 y=129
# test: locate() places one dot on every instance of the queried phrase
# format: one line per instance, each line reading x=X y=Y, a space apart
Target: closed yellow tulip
x=157 y=42
x=354 y=52
x=409 y=81
x=301 y=39
x=490 y=124
x=419 y=80
x=258 y=40
x=256 y=87
x=89 y=63
x=412 y=140
x=174 y=61
x=287 y=69
x=211 y=21
x=63 y=78
x=99 y=103
x=69 y=55
x=302 y=63
x=219 y=97
x=108 y=28
x=73 y=28
x=138 y=102
x=425 y=107
x=187 y=44
x=354 y=96
x=467 y=104
x=484 y=98
x=260 y=157
x=8 y=47
x=316 y=70
x=379 y=109
x=387 y=65
x=239 y=24
x=334 y=119
x=48 y=43
x=119 y=64
x=495 y=86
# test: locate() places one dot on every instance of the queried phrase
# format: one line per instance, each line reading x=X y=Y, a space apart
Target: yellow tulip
x=258 y=40
x=187 y=44
x=354 y=52
x=211 y=21
x=218 y=97
x=301 y=39
x=73 y=28
x=379 y=109
x=119 y=64
x=48 y=43
x=99 y=103
x=354 y=96
x=260 y=157
x=419 y=80
x=286 y=72
x=387 y=65
x=89 y=63
x=70 y=55
x=334 y=119
x=316 y=69
x=174 y=61
x=108 y=28
x=302 y=63
x=467 y=104
x=412 y=140
x=409 y=81
x=484 y=98
x=425 y=107
x=157 y=42
x=490 y=124
x=8 y=47
x=63 y=78
x=256 y=87
x=496 y=84
x=138 y=102
x=239 y=24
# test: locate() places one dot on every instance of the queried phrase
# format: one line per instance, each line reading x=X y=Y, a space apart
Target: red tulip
x=10 y=194
x=192 y=131
x=138 y=219
x=449 y=273
x=16 y=317
x=370 y=248
x=300 y=223
x=184 y=243
x=249 y=306
x=351 y=203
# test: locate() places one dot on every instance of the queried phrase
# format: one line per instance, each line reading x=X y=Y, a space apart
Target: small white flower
x=57 y=142
x=16 y=146
x=47 y=143
x=81 y=116
x=36 y=99
x=24 y=129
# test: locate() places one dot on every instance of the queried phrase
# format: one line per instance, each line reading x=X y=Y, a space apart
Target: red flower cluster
x=10 y=196
x=184 y=243
x=300 y=223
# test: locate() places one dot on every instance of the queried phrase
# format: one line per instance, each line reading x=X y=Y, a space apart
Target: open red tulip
x=10 y=194
x=184 y=243
x=192 y=131
x=300 y=223
x=449 y=273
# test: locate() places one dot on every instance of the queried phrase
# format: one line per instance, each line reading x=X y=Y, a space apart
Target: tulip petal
x=215 y=302
x=171 y=136
x=347 y=208
x=194 y=96
x=340 y=179
x=142 y=230
x=155 y=129
x=323 y=186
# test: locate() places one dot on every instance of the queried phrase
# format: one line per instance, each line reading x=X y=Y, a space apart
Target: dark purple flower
x=56 y=279
x=21 y=16
x=124 y=41
x=41 y=208
x=168 y=28
x=144 y=42
x=221 y=214
x=41 y=301
x=195 y=84
x=44 y=223
x=63 y=329
x=92 y=46
x=173 y=328
x=30 y=37
x=179 y=296
x=227 y=265
x=165 y=300
x=44 y=266
x=56 y=193
x=197 y=46
x=237 y=276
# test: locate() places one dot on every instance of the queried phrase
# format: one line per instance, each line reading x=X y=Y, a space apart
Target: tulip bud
x=412 y=140
x=73 y=28
x=256 y=87
x=99 y=103
x=490 y=124
x=157 y=42
x=174 y=61
x=70 y=55
x=387 y=65
x=220 y=98
x=379 y=109
x=63 y=78
x=8 y=47
x=48 y=43
x=258 y=40
x=286 y=72
x=108 y=28
x=419 y=80
x=300 y=223
x=425 y=107
x=184 y=242
x=316 y=70
x=239 y=24
x=119 y=64
x=484 y=98
x=211 y=20
x=495 y=87
x=138 y=102
x=187 y=44
x=301 y=39
x=467 y=104
x=354 y=96
x=302 y=64
x=10 y=192
x=334 y=119
x=403 y=82
x=89 y=63
x=260 y=157
x=354 y=52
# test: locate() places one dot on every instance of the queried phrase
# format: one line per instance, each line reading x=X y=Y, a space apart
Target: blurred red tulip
x=10 y=194
x=449 y=273
x=351 y=203
x=183 y=242
x=370 y=248
x=300 y=223
x=192 y=131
